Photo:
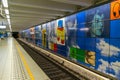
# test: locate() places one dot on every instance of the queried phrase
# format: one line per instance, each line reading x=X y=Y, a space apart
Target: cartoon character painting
x=44 y=35
x=60 y=33
x=44 y=38
x=97 y=21
x=97 y=28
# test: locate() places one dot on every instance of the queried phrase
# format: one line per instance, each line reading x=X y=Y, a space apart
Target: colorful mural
x=90 y=37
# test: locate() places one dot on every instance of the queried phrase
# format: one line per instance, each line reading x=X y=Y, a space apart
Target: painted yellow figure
x=44 y=37
x=60 y=33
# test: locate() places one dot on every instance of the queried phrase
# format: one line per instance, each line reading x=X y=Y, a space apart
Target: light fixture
x=84 y=29
x=2 y=27
x=5 y=3
x=6 y=11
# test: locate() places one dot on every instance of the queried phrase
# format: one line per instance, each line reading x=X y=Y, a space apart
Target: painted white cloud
x=103 y=67
x=104 y=48
x=112 y=66
x=116 y=63
x=115 y=66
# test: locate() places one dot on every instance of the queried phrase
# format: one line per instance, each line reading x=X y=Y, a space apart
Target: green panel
x=73 y=52
x=80 y=52
x=81 y=58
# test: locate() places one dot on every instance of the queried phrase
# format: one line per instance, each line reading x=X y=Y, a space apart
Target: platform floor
x=16 y=64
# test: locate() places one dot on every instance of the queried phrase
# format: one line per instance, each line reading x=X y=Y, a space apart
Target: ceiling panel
x=26 y=13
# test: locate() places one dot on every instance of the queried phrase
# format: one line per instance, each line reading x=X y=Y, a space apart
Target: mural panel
x=52 y=39
x=71 y=28
x=38 y=35
x=84 y=56
x=44 y=36
x=32 y=34
x=60 y=31
x=102 y=54
x=115 y=29
x=98 y=21
x=115 y=10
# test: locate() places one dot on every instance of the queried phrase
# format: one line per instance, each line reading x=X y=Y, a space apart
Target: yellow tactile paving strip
x=18 y=71
x=25 y=63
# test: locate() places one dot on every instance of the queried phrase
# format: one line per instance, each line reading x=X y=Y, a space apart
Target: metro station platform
x=16 y=64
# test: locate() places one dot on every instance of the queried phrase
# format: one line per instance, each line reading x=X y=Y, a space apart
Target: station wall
x=90 y=37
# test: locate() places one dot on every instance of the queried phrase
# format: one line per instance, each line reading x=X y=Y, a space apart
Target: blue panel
x=81 y=43
x=81 y=32
x=60 y=23
x=70 y=23
x=115 y=48
x=90 y=44
x=115 y=29
x=90 y=15
x=62 y=50
x=81 y=17
x=81 y=24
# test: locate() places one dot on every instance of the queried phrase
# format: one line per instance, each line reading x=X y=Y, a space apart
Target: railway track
x=53 y=69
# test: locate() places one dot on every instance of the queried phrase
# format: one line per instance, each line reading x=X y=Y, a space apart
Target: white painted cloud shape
x=112 y=66
x=104 y=48
x=103 y=67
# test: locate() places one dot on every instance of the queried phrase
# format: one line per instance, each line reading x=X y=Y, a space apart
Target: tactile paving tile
x=18 y=70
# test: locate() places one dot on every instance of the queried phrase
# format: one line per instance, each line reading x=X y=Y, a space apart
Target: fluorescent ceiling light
x=5 y=3
x=2 y=27
x=6 y=11
x=8 y=17
x=10 y=28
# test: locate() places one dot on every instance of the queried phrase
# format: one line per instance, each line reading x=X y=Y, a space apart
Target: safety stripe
x=25 y=63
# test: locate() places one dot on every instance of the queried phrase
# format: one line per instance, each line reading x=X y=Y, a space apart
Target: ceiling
x=26 y=13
